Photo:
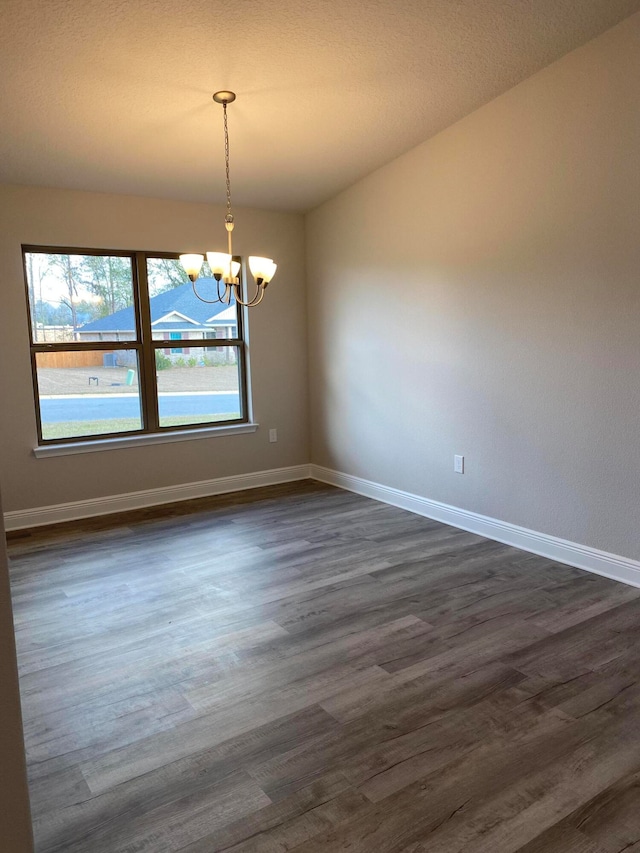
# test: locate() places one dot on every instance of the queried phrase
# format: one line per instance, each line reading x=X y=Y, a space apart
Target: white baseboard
x=563 y=551
x=573 y=554
x=19 y=519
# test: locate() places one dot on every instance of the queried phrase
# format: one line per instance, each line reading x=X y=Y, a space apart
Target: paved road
x=107 y=406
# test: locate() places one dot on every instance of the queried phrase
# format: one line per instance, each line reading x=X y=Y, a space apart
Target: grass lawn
x=113 y=380
x=76 y=429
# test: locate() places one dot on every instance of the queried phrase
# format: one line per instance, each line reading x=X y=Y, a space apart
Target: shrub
x=163 y=362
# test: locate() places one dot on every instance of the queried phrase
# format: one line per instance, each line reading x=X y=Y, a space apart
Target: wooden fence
x=85 y=358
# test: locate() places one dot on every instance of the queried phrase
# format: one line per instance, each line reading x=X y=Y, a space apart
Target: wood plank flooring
x=302 y=669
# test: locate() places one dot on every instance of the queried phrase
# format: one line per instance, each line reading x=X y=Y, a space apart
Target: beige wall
x=481 y=295
x=277 y=341
x=15 y=819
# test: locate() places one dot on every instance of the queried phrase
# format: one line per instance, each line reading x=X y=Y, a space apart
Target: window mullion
x=148 y=385
x=83 y=346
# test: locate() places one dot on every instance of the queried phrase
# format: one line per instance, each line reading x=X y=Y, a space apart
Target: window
x=120 y=346
x=176 y=336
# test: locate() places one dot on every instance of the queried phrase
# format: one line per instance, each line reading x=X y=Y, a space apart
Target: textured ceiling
x=115 y=95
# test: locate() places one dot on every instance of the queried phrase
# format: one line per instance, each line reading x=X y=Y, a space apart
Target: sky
x=49 y=283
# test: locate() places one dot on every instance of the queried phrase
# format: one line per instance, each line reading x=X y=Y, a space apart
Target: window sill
x=99 y=444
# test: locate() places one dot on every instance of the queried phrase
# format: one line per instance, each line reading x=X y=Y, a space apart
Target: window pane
x=197 y=385
x=88 y=393
x=80 y=297
x=177 y=313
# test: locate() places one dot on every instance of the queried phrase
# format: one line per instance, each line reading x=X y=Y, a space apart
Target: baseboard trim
x=75 y=510
x=602 y=563
x=563 y=551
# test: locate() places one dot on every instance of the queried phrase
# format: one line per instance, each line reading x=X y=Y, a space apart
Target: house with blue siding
x=177 y=316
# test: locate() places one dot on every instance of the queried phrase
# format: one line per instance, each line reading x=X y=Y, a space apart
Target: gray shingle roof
x=181 y=299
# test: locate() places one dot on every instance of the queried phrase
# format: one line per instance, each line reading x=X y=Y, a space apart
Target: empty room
x=319 y=448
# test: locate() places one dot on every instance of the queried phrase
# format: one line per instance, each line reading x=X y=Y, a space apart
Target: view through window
x=120 y=344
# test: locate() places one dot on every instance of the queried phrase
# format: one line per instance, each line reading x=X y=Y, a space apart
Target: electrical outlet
x=273 y=435
x=458 y=464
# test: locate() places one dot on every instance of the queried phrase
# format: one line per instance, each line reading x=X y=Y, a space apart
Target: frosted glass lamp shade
x=262 y=269
x=192 y=264
x=219 y=263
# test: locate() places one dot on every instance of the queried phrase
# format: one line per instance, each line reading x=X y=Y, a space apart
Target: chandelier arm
x=227 y=292
x=257 y=299
x=208 y=301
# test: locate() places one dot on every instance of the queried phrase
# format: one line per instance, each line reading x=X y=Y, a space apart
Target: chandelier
x=222 y=264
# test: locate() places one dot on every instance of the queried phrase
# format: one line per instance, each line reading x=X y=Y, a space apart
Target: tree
x=66 y=270
x=34 y=283
x=110 y=279
x=165 y=274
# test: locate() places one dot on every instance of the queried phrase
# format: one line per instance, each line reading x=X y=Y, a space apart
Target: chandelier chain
x=229 y=217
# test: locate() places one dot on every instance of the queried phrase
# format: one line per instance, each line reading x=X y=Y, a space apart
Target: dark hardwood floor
x=302 y=669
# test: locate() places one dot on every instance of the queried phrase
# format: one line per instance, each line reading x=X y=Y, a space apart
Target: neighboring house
x=177 y=316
